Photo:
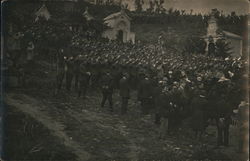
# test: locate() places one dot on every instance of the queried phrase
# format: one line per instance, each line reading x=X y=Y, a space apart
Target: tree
x=191 y=11
x=216 y=13
x=138 y=5
x=159 y=6
x=170 y=11
x=151 y=6
x=182 y=12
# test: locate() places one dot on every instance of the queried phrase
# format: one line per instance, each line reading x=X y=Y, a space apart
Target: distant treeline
x=175 y=18
x=23 y=14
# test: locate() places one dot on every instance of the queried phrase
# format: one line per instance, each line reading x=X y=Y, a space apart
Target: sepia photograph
x=124 y=80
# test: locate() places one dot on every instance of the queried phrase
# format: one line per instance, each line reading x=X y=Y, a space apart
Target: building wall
x=236 y=46
x=212 y=29
x=131 y=37
x=110 y=34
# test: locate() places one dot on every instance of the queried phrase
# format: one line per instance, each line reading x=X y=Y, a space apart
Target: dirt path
x=101 y=129
x=37 y=110
x=31 y=107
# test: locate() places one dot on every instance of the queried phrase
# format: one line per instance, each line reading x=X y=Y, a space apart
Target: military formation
x=175 y=80
x=170 y=85
x=176 y=87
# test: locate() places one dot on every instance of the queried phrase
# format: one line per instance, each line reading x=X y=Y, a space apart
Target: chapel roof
x=117 y=14
x=231 y=35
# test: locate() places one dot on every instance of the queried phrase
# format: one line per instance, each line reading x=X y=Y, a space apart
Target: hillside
x=149 y=33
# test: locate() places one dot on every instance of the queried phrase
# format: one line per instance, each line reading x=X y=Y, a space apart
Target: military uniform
x=84 y=78
x=60 y=71
x=124 y=94
x=69 y=73
x=77 y=64
x=223 y=123
x=117 y=74
x=198 y=120
x=175 y=118
x=158 y=99
x=107 y=90
x=165 y=110
x=243 y=112
x=145 y=95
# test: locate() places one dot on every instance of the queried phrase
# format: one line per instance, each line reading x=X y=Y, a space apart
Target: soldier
x=145 y=94
x=158 y=92
x=60 y=70
x=164 y=110
x=77 y=73
x=69 y=72
x=84 y=78
x=211 y=46
x=175 y=119
x=160 y=99
x=223 y=122
x=117 y=74
x=96 y=73
x=133 y=79
x=198 y=105
x=30 y=52
x=107 y=90
x=124 y=92
x=21 y=75
x=243 y=112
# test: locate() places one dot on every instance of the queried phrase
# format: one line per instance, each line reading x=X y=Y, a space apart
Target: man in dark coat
x=60 y=73
x=198 y=105
x=84 y=78
x=145 y=94
x=243 y=114
x=211 y=47
x=223 y=122
x=117 y=74
x=165 y=110
x=158 y=99
x=96 y=74
x=175 y=118
x=69 y=72
x=124 y=93
x=77 y=73
x=107 y=89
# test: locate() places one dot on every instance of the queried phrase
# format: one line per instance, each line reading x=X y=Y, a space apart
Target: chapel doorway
x=120 y=36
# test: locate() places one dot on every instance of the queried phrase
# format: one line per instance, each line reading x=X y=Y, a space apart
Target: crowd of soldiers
x=172 y=87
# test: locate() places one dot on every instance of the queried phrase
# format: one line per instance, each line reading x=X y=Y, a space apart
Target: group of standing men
x=166 y=97
x=92 y=76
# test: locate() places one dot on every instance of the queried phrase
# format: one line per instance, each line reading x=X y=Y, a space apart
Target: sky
x=202 y=6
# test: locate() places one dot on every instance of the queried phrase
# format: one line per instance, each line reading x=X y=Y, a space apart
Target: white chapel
x=119 y=27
